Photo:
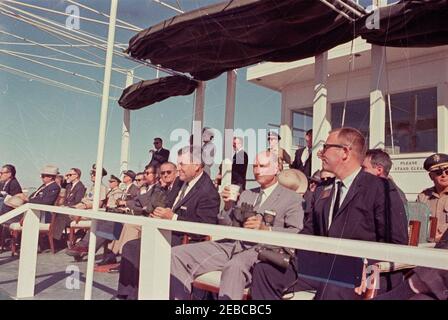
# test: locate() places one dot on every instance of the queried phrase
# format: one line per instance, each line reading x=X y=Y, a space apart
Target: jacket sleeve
x=206 y=210
x=389 y=214
x=79 y=194
x=49 y=196
x=15 y=188
x=295 y=163
x=293 y=216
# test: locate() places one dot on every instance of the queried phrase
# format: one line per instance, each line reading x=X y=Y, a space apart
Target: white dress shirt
x=346 y=184
x=189 y=187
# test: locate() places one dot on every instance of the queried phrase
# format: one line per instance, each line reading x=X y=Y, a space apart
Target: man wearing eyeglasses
x=8 y=185
x=159 y=154
x=436 y=197
x=353 y=207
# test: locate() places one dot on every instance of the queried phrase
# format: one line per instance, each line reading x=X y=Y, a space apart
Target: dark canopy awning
x=411 y=23
x=233 y=34
x=145 y=93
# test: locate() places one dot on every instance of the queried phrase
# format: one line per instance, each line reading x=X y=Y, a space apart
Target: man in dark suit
x=8 y=185
x=159 y=154
x=132 y=190
x=239 y=163
x=75 y=191
x=422 y=283
x=354 y=207
x=302 y=160
x=197 y=201
x=48 y=192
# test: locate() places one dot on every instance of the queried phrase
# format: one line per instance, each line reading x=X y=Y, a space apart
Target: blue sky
x=42 y=125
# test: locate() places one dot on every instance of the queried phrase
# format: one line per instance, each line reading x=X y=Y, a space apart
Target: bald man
x=236 y=258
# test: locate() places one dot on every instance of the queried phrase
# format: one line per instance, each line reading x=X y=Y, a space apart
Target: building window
x=302 y=121
x=357 y=115
x=414 y=122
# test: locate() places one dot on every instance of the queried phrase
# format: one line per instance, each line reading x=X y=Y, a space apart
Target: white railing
x=156 y=249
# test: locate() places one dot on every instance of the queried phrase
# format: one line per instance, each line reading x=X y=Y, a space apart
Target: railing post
x=155 y=262
x=28 y=255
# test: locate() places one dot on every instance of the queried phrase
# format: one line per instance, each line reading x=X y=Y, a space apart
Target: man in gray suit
x=236 y=258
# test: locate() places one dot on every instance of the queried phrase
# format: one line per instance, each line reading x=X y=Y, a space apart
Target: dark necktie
x=336 y=201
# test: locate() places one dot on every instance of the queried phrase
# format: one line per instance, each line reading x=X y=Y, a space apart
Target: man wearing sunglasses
x=437 y=197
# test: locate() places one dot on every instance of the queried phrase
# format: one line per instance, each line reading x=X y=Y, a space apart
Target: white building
x=315 y=92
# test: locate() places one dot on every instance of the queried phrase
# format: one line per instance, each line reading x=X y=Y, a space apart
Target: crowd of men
x=351 y=197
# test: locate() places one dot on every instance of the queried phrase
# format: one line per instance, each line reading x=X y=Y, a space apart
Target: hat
x=436 y=161
x=50 y=170
x=131 y=174
x=112 y=177
x=14 y=201
x=275 y=134
x=104 y=170
x=294 y=180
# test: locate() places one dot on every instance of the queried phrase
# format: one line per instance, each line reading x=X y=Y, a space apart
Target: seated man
x=422 y=283
x=437 y=197
x=132 y=190
x=196 y=201
x=353 y=207
x=236 y=258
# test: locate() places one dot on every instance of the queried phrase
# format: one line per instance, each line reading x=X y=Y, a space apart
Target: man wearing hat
x=279 y=153
x=131 y=190
x=48 y=192
x=437 y=197
x=87 y=201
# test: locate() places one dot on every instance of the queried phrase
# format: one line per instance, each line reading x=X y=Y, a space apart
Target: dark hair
x=381 y=158
x=78 y=172
x=159 y=139
x=11 y=169
x=309 y=132
x=152 y=167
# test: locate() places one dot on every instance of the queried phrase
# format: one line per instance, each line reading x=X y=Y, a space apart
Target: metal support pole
x=228 y=127
x=126 y=130
x=101 y=143
x=321 y=109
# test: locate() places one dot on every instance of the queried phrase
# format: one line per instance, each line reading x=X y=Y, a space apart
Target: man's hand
x=162 y=213
x=255 y=222
x=225 y=194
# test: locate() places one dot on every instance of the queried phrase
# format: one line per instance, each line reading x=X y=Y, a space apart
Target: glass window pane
x=302 y=121
x=414 y=121
x=357 y=115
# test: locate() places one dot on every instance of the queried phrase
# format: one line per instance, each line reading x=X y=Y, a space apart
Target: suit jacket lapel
x=354 y=189
x=326 y=208
x=189 y=194
x=269 y=202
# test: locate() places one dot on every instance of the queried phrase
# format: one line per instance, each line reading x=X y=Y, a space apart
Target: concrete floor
x=55 y=278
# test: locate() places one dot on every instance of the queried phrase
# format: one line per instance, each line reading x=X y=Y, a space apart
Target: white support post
x=126 y=129
x=28 y=255
x=442 y=117
x=101 y=143
x=286 y=130
x=378 y=98
x=229 y=125
x=321 y=109
x=155 y=263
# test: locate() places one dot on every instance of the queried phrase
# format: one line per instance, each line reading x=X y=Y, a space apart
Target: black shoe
x=109 y=259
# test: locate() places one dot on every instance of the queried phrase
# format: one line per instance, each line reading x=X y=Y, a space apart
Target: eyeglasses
x=112 y=181
x=138 y=180
x=45 y=176
x=327 y=146
x=166 y=172
x=439 y=172
x=70 y=174
x=4 y=172
x=148 y=173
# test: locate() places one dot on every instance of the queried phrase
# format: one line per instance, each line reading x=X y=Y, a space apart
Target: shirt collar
x=193 y=182
x=269 y=190
x=347 y=182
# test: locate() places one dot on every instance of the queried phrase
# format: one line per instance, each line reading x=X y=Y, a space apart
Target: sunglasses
x=70 y=174
x=138 y=180
x=45 y=176
x=166 y=172
x=439 y=172
x=112 y=181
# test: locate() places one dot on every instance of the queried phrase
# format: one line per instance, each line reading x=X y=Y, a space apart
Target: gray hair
x=195 y=153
